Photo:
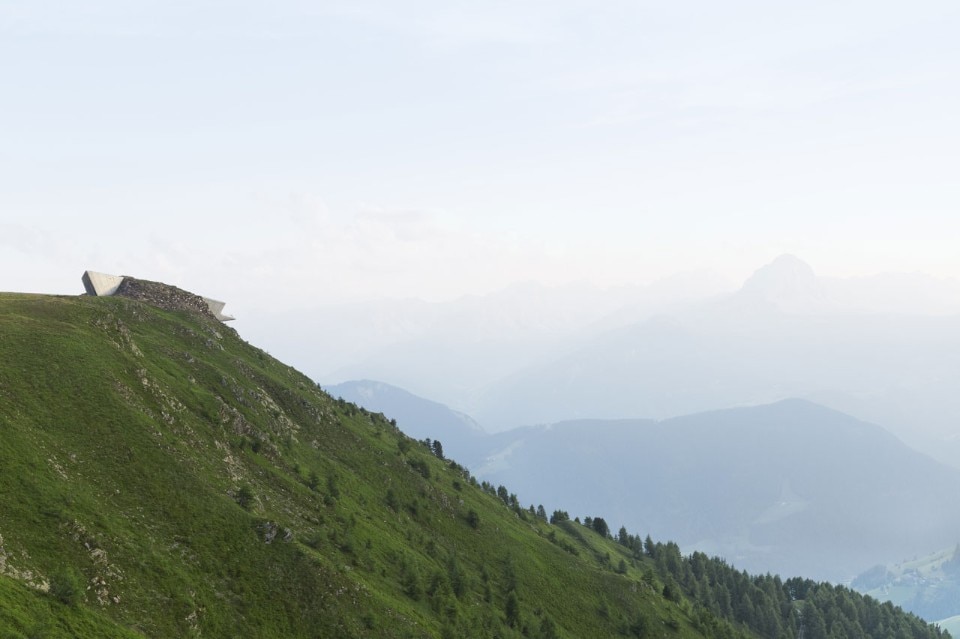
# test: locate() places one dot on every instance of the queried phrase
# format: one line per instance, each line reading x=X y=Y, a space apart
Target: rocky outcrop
x=169 y=298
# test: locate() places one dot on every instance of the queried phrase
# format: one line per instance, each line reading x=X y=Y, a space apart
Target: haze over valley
x=881 y=348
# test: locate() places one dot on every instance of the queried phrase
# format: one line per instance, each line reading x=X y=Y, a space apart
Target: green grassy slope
x=160 y=477
x=190 y=484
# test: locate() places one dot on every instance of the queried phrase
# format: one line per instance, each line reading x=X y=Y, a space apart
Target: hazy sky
x=426 y=148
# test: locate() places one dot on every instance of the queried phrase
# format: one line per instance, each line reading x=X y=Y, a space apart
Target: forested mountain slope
x=159 y=477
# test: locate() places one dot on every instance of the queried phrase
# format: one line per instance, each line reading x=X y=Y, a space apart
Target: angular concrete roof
x=216 y=307
x=101 y=284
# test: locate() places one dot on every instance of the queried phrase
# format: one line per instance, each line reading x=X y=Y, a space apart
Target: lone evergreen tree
x=649 y=547
x=600 y=526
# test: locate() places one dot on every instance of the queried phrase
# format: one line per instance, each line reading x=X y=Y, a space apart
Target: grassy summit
x=160 y=477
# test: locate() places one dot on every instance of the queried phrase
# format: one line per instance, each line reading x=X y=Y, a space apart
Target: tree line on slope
x=763 y=604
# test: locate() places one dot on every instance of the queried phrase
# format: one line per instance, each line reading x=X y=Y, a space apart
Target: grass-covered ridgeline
x=160 y=477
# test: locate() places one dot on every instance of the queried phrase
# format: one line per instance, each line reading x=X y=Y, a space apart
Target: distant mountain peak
x=788 y=282
x=785 y=271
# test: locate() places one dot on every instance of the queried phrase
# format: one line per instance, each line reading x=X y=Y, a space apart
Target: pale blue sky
x=362 y=148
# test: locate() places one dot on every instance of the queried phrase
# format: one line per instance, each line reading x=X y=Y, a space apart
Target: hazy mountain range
x=451 y=351
x=753 y=347
x=885 y=349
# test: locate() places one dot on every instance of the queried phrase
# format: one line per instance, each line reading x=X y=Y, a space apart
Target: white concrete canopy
x=100 y=283
x=216 y=307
